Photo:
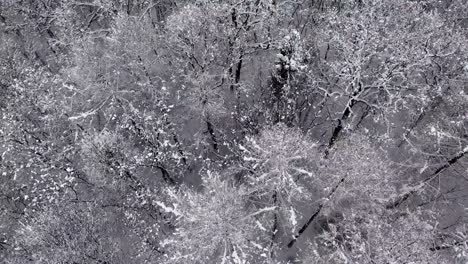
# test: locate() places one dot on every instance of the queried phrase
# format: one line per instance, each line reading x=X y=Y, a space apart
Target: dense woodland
x=233 y=131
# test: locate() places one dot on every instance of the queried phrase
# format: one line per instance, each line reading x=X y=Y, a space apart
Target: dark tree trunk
x=315 y=214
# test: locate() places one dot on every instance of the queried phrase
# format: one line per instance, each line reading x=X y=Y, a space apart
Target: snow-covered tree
x=353 y=222
x=216 y=225
x=237 y=131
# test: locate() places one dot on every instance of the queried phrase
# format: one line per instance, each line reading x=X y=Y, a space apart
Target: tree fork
x=339 y=127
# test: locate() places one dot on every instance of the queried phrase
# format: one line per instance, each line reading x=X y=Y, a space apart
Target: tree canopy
x=234 y=131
